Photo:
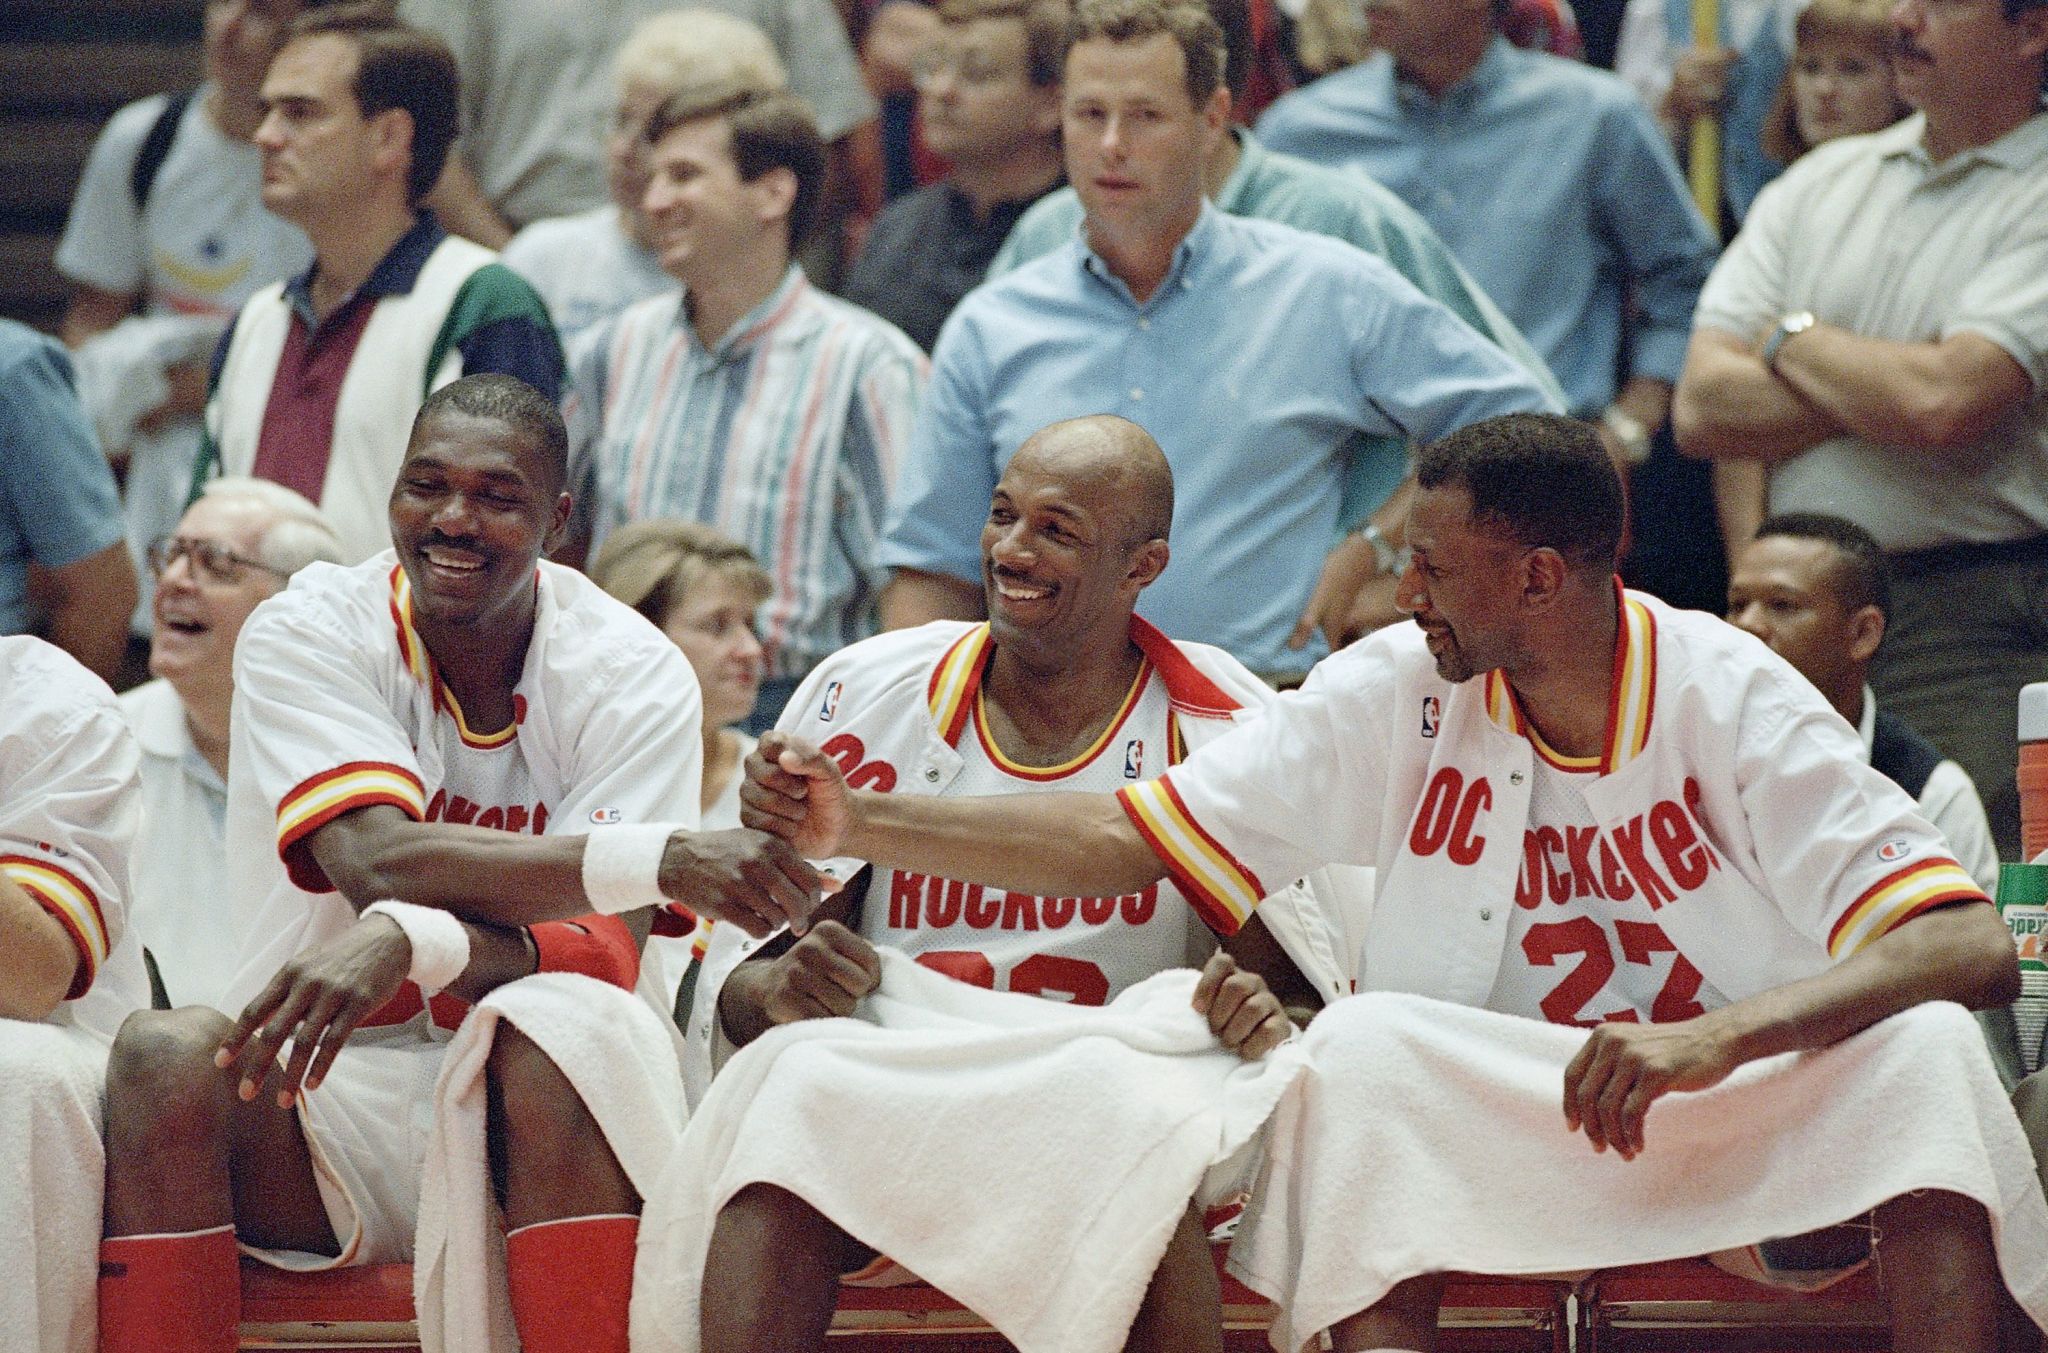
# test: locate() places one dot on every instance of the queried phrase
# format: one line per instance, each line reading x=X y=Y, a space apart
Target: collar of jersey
x=420 y=663
x=1072 y=764
x=955 y=683
x=1631 y=699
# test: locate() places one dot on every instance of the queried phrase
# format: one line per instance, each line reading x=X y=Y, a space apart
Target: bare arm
x=93 y=312
x=38 y=961
x=1091 y=848
x=1741 y=488
x=914 y=597
x=1927 y=396
x=1958 y=953
x=89 y=601
x=507 y=879
x=1729 y=407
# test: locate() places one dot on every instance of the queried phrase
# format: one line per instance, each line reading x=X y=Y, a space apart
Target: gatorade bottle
x=2023 y=903
x=2033 y=773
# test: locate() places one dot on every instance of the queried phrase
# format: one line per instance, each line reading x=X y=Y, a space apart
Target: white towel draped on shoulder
x=623 y=1061
x=51 y=1176
x=1030 y=1159
x=1431 y=1137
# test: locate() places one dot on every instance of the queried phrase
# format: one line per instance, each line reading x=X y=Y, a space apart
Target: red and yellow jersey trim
x=75 y=906
x=1042 y=774
x=1222 y=890
x=956 y=681
x=320 y=799
x=413 y=651
x=1897 y=898
x=1631 y=704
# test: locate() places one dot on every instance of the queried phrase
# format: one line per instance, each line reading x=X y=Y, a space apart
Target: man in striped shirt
x=750 y=401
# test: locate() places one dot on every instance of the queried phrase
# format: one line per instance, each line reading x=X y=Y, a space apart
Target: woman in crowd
x=701 y=590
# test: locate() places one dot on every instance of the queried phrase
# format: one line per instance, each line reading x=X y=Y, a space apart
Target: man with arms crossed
x=434 y=733
x=1062 y=688
x=1534 y=722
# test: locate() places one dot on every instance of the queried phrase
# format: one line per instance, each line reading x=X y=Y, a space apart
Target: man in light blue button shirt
x=1260 y=357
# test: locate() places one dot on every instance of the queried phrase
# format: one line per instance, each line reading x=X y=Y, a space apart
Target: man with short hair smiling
x=439 y=757
x=316 y=382
x=750 y=401
x=989 y=102
x=1620 y=857
x=238 y=544
x=1260 y=357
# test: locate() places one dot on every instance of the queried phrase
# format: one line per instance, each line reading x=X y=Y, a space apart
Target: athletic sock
x=171 y=1293
x=571 y=1282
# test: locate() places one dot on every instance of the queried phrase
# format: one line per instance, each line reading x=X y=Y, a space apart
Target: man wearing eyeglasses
x=237 y=545
x=988 y=99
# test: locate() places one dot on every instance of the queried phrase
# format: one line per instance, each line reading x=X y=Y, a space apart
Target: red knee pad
x=571 y=1283
x=171 y=1294
x=596 y=946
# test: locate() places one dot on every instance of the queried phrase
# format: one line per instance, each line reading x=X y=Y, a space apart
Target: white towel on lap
x=1431 y=1137
x=52 y=1171
x=623 y=1061
x=1028 y=1158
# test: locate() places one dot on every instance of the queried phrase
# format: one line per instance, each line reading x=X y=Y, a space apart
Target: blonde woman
x=701 y=589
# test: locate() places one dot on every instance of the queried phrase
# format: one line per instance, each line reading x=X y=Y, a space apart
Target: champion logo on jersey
x=607 y=817
x=829 y=706
x=1134 y=759
x=1432 y=715
x=1891 y=852
x=49 y=848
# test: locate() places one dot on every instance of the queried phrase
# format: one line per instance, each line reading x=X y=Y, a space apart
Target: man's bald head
x=1115 y=464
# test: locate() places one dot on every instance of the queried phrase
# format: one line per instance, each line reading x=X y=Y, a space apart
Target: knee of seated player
x=533 y=1104
x=764 y=1225
x=165 y=1096
x=1368 y=1033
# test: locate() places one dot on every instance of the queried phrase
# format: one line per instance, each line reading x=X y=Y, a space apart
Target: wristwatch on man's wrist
x=1798 y=322
x=1630 y=432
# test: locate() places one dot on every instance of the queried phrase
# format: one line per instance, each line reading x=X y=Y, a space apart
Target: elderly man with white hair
x=236 y=545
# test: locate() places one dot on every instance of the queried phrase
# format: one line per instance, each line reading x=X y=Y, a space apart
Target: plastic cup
x=2023 y=904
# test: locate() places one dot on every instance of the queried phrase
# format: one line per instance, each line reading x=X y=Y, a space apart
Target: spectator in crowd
x=166 y=239
x=70 y=972
x=989 y=102
x=1244 y=178
x=316 y=382
x=1878 y=334
x=1592 y=245
x=751 y=402
x=59 y=511
x=701 y=590
x=593 y=264
x=1785 y=897
x=1734 y=79
x=1176 y=316
x=239 y=543
x=1840 y=84
x=537 y=94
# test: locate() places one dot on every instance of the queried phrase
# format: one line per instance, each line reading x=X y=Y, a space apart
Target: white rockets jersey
x=339 y=705
x=1584 y=946
x=68 y=805
x=1083 y=950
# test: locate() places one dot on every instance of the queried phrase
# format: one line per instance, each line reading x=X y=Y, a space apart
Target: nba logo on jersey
x=606 y=817
x=1891 y=852
x=1134 y=759
x=1432 y=715
x=830 y=704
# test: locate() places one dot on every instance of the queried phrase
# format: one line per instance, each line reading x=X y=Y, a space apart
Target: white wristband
x=622 y=867
x=440 y=946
